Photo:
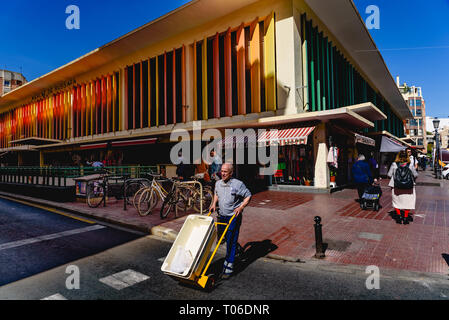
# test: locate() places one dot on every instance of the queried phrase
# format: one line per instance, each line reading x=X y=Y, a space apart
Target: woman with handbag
x=403 y=175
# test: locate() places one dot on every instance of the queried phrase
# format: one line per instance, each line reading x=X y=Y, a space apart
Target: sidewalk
x=353 y=236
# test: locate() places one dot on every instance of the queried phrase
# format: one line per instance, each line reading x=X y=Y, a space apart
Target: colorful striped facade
x=233 y=64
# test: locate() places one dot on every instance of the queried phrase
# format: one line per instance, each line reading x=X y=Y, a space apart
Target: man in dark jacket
x=361 y=173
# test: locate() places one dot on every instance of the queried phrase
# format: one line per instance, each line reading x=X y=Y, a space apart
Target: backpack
x=403 y=177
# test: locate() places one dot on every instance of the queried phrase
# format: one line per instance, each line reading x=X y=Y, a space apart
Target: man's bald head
x=226 y=171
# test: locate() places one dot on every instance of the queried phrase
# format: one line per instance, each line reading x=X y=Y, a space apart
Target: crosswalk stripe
x=124 y=279
x=56 y=296
x=23 y=242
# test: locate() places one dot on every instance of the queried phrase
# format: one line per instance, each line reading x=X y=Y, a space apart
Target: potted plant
x=333 y=174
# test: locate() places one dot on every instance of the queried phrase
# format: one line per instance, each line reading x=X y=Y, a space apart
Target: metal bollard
x=318 y=238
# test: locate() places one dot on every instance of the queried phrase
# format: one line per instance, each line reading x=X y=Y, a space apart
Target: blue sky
x=413 y=37
x=414 y=41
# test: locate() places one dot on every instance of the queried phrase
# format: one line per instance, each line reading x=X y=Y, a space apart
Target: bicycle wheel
x=95 y=193
x=137 y=197
x=169 y=204
x=208 y=197
x=131 y=188
x=147 y=201
x=184 y=194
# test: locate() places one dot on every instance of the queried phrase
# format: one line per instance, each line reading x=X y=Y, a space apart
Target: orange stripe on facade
x=228 y=73
x=241 y=69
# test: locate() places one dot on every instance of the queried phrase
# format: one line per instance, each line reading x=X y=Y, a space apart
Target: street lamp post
x=436 y=123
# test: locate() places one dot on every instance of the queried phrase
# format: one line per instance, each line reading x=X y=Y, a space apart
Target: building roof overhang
x=390 y=135
x=347 y=116
x=192 y=14
x=341 y=17
x=34 y=141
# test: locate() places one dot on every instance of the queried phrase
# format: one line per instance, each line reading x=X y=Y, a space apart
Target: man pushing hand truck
x=232 y=196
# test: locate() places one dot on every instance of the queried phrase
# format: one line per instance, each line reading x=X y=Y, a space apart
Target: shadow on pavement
x=253 y=251
x=248 y=254
x=445 y=257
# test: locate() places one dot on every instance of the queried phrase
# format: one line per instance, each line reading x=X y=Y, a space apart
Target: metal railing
x=64 y=176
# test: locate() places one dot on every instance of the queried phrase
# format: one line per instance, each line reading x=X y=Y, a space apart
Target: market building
x=306 y=68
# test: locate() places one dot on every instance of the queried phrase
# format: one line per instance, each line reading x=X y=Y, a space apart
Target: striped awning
x=238 y=140
x=285 y=136
x=136 y=142
x=94 y=146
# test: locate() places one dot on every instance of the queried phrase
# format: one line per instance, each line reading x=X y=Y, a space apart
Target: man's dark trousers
x=232 y=236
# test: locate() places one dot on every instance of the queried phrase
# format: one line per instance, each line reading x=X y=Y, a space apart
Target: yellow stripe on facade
x=270 y=63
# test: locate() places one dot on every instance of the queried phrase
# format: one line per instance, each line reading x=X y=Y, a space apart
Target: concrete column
x=41 y=158
x=19 y=158
x=287 y=72
x=322 y=179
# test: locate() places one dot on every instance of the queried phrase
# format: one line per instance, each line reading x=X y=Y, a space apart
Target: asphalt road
x=33 y=240
x=119 y=265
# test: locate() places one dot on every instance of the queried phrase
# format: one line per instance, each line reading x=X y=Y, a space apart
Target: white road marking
x=124 y=279
x=23 y=242
x=56 y=296
x=371 y=236
x=161 y=259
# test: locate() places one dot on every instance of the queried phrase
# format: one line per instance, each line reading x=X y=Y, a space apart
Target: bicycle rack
x=201 y=192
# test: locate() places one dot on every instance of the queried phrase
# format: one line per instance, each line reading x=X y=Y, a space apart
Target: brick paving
x=353 y=236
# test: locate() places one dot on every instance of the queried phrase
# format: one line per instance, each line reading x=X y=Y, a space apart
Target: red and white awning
x=123 y=143
x=136 y=142
x=238 y=140
x=285 y=136
x=93 y=146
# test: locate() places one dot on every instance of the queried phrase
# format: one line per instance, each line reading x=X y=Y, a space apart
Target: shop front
x=388 y=146
x=295 y=155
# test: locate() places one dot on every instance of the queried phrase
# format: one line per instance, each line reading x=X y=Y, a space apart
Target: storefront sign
x=49 y=91
x=364 y=140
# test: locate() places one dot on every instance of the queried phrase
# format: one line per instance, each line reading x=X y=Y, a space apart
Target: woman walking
x=403 y=175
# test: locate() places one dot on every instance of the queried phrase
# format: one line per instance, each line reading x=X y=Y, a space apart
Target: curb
x=158 y=231
x=53 y=205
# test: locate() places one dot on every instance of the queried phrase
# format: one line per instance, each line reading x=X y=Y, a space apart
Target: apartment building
x=10 y=80
x=415 y=128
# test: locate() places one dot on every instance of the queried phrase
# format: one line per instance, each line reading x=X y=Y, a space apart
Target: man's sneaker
x=225 y=276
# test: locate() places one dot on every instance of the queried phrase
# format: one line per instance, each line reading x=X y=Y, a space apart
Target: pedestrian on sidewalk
x=361 y=174
x=403 y=175
x=215 y=166
x=412 y=156
x=232 y=196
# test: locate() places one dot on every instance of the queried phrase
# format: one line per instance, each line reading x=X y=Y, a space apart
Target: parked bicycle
x=146 y=199
x=185 y=196
x=109 y=186
x=106 y=186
